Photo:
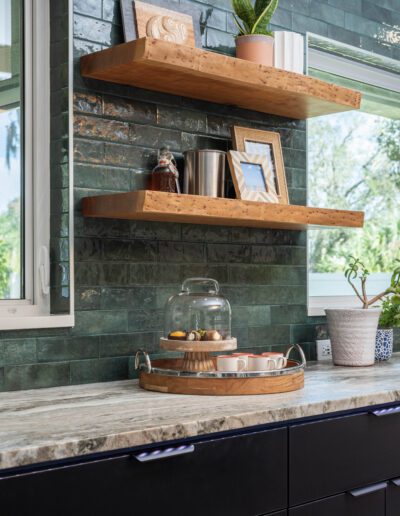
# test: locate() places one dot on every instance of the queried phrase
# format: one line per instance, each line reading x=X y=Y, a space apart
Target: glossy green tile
x=35 y=376
x=55 y=349
x=19 y=351
x=116 y=345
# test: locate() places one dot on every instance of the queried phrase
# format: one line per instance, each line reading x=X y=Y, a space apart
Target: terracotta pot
x=256 y=48
x=353 y=332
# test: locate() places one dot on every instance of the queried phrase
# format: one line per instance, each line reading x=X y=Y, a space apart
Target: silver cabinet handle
x=368 y=489
x=386 y=411
x=396 y=481
x=164 y=454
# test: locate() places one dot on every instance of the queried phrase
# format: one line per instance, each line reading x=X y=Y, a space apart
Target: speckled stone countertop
x=47 y=424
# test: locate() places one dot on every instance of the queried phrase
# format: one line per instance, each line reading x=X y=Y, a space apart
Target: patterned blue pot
x=384 y=344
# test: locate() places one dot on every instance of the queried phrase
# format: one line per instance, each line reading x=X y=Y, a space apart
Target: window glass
x=354 y=165
x=11 y=173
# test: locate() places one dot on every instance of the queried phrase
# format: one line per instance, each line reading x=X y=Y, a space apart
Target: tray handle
x=146 y=365
x=301 y=353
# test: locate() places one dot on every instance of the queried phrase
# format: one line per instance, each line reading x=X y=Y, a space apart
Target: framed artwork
x=268 y=144
x=252 y=177
x=155 y=19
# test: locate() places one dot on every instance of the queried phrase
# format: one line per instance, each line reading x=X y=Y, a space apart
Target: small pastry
x=177 y=335
x=212 y=335
x=191 y=335
x=197 y=335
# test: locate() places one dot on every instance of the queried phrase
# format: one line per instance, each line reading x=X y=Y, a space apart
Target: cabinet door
x=335 y=455
x=369 y=501
x=240 y=476
x=393 y=498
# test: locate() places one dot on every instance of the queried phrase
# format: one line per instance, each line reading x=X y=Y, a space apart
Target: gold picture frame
x=252 y=177
x=268 y=144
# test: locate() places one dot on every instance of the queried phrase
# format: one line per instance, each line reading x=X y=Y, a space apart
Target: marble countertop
x=48 y=424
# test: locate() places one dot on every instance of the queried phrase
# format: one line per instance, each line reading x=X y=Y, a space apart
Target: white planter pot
x=353 y=332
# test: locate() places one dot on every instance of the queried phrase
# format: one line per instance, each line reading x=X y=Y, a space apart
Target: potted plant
x=255 y=41
x=389 y=319
x=353 y=330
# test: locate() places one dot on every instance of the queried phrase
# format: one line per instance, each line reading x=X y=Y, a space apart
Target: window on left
x=12 y=188
x=29 y=297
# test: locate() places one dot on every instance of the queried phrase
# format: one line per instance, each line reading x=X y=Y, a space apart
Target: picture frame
x=268 y=144
x=129 y=22
x=252 y=177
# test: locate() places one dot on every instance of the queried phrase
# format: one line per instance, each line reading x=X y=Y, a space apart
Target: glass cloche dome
x=198 y=312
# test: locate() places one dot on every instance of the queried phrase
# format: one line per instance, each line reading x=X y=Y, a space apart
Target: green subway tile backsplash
x=126 y=270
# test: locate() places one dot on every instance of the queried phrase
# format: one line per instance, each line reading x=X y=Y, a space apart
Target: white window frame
x=34 y=310
x=358 y=71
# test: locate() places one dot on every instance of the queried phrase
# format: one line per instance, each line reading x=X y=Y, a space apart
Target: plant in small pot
x=255 y=41
x=389 y=319
x=353 y=330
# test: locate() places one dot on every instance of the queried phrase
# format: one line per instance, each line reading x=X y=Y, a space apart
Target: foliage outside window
x=354 y=164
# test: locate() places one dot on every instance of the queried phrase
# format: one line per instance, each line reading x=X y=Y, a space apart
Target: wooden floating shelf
x=192 y=72
x=195 y=209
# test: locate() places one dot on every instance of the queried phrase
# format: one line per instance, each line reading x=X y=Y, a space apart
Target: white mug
x=260 y=363
x=243 y=356
x=280 y=359
x=230 y=364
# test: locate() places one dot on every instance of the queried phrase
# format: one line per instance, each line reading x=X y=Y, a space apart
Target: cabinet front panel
x=393 y=498
x=237 y=476
x=335 y=455
x=344 y=505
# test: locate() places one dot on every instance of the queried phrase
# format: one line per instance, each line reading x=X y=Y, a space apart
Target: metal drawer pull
x=396 y=481
x=386 y=411
x=368 y=490
x=164 y=454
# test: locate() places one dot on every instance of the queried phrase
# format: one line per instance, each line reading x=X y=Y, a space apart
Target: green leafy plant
x=390 y=315
x=254 y=20
x=356 y=270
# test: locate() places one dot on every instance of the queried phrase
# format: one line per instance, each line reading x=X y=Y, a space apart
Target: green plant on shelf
x=356 y=270
x=254 y=19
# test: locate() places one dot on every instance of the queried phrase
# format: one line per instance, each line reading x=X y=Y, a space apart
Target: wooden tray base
x=218 y=386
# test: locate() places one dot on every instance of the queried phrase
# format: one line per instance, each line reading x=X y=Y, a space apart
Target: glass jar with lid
x=198 y=312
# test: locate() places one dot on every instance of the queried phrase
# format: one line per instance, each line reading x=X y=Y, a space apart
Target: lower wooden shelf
x=196 y=209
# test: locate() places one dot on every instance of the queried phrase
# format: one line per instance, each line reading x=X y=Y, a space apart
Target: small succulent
x=254 y=20
x=356 y=270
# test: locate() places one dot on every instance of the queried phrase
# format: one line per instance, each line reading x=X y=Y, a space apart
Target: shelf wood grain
x=196 y=209
x=192 y=72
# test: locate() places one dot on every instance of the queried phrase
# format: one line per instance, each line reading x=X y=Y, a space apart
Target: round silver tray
x=147 y=367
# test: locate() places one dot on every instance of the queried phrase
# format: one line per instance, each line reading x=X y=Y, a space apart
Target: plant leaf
x=261 y=24
x=260 y=5
x=242 y=30
x=245 y=11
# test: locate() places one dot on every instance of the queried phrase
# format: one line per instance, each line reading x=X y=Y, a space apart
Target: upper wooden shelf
x=192 y=72
x=195 y=209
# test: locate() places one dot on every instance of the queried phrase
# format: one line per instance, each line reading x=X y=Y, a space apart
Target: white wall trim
x=27 y=322
x=34 y=310
x=344 y=67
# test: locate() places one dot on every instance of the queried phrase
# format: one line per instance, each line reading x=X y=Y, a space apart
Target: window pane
x=11 y=174
x=354 y=165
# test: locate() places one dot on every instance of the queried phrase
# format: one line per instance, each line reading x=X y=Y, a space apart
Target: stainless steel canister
x=204 y=173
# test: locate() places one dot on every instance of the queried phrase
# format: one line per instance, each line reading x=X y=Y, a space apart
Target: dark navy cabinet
x=345 y=504
x=393 y=497
x=336 y=455
x=234 y=476
x=347 y=465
